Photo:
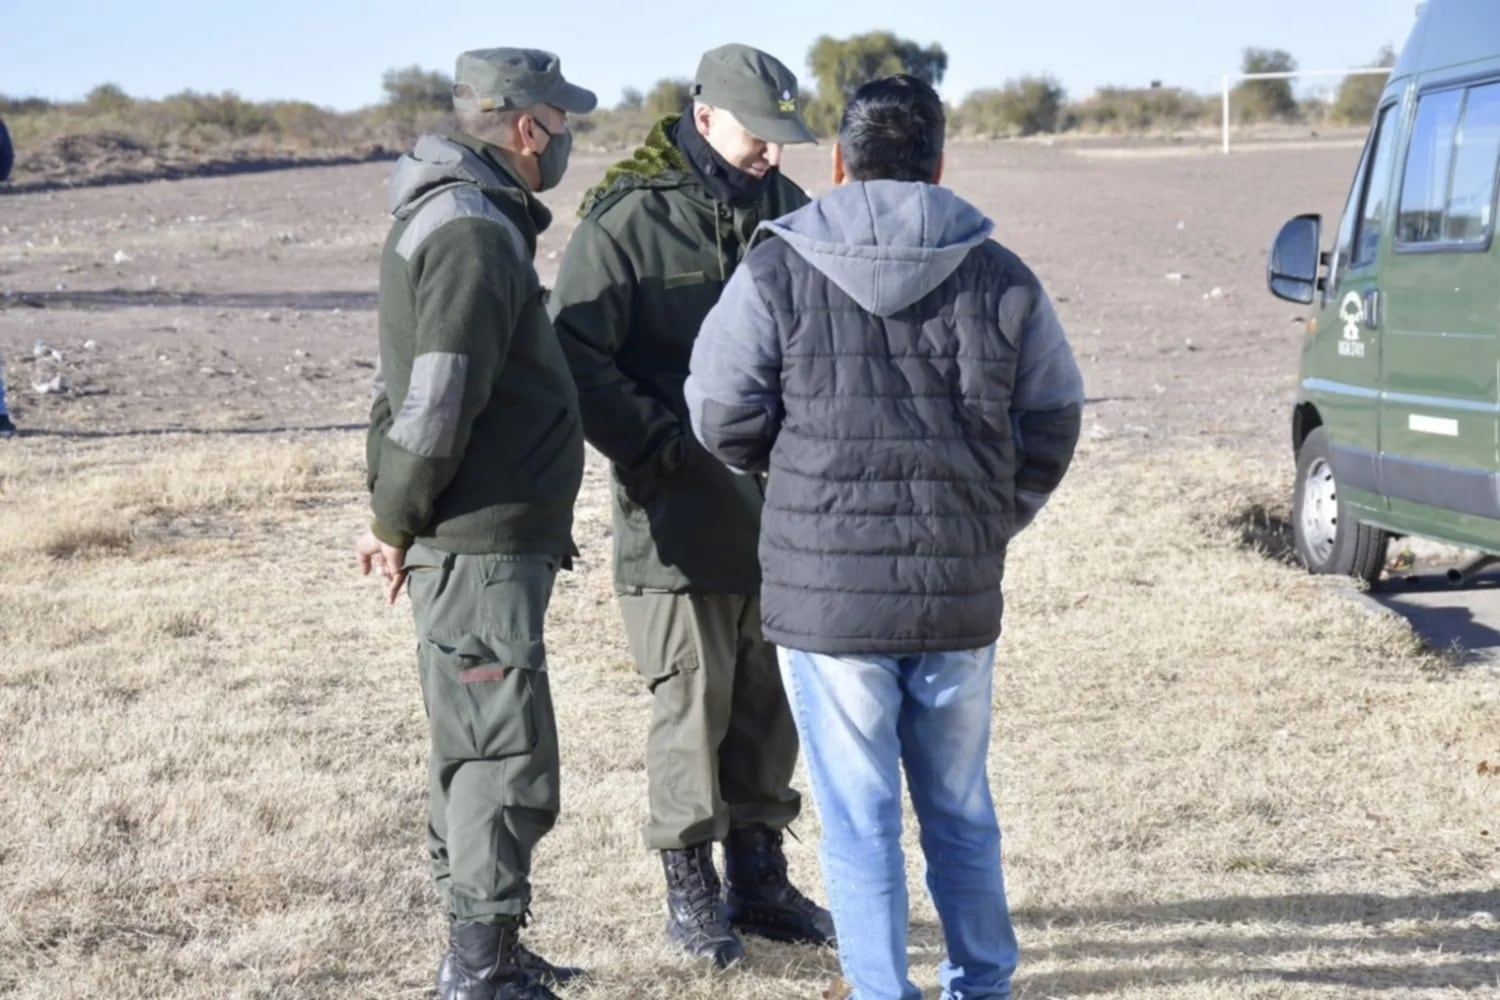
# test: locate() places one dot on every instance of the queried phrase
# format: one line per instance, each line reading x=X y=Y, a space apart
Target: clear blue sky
x=332 y=52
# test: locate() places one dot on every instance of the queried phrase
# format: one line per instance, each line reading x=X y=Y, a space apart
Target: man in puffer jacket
x=905 y=380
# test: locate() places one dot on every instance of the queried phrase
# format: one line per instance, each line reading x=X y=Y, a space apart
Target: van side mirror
x=1292 y=270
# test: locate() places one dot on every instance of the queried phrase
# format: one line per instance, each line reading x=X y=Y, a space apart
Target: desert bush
x=1265 y=100
x=1024 y=106
x=107 y=98
x=822 y=116
x=227 y=111
x=1358 y=95
x=668 y=97
x=413 y=88
x=1127 y=109
x=843 y=65
x=23 y=105
x=306 y=126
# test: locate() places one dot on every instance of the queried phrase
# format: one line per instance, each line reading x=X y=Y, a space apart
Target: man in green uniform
x=658 y=239
x=475 y=456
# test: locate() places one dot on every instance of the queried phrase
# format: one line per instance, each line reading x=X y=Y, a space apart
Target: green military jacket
x=475 y=442
x=646 y=264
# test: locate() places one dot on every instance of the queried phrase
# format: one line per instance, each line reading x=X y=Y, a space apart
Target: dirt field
x=1217 y=778
x=246 y=302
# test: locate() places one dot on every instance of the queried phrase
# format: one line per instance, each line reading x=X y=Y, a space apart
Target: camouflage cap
x=757 y=88
x=506 y=79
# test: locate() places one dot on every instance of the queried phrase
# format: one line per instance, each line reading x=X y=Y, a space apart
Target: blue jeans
x=860 y=719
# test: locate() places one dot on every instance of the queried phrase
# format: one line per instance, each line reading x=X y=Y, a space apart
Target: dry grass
x=79 y=536
x=1218 y=778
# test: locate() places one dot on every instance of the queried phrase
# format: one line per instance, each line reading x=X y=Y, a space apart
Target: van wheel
x=1329 y=539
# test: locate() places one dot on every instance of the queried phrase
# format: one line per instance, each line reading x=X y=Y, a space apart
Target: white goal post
x=1232 y=78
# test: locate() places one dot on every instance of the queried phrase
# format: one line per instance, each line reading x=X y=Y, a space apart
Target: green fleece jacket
x=646 y=264
x=475 y=443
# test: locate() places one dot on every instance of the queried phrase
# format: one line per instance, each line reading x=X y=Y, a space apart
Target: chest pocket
x=673 y=309
x=683 y=280
x=689 y=296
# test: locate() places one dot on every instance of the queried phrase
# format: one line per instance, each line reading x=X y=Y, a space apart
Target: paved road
x=1466 y=617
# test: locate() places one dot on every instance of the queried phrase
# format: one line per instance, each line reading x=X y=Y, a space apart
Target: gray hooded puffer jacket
x=906 y=381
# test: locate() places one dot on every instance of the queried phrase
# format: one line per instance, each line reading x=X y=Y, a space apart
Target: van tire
x=1329 y=539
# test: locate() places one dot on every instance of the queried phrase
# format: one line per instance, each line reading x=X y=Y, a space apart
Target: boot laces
x=697 y=880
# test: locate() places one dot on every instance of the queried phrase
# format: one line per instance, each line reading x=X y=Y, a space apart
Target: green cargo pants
x=492 y=765
x=722 y=744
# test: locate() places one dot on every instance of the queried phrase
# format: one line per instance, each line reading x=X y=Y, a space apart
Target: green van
x=1396 y=426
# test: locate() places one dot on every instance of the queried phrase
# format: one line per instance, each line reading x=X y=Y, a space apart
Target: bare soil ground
x=1217 y=778
x=256 y=292
x=93 y=159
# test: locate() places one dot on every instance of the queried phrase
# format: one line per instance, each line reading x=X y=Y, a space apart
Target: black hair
x=892 y=129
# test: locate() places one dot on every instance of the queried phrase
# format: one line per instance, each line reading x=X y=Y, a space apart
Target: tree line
x=417 y=100
x=1026 y=105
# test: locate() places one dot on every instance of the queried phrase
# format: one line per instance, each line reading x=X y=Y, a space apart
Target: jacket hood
x=438 y=161
x=886 y=244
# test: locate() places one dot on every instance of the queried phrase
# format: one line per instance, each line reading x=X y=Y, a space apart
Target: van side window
x=1372 y=211
x=1469 y=217
x=1448 y=195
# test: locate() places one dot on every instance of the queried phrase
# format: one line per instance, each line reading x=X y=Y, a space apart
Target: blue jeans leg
x=945 y=738
x=847 y=710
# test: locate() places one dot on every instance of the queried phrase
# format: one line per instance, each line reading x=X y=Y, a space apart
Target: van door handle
x=1372 y=309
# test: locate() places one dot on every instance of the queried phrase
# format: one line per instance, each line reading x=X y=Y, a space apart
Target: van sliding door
x=1439 y=307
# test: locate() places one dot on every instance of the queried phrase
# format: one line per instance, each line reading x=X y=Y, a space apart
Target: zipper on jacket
x=722 y=214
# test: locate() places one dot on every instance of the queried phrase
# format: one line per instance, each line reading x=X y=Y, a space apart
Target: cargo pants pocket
x=662 y=634
x=479 y=694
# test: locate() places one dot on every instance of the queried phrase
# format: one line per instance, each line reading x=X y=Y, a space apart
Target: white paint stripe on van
x=1424 y=424
x=1340 y=388
x=1442 y=402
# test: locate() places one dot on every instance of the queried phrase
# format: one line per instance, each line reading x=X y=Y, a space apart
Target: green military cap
x=757 y=88
x=506 y=79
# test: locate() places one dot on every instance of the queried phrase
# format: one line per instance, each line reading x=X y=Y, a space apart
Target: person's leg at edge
x=494 y=766
x=945 y=737
x=756 y=761
x=846 y=710
x=684 y=647
x=7 y=426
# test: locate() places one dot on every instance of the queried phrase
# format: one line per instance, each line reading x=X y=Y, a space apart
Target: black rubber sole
x=718 y=960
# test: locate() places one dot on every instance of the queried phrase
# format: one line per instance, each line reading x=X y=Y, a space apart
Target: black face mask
x=552 y=162
x=724 y=182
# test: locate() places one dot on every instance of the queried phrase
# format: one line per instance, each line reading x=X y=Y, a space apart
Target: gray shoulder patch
x=461 y=202
x=427 y=423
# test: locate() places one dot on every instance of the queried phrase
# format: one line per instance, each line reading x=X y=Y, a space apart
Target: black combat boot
x=544 y=972
x=695 y=910
x=483 y=963
x=761 y=900
x=529 y=962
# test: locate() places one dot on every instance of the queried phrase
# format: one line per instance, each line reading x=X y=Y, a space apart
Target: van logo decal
x=1352 y=313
